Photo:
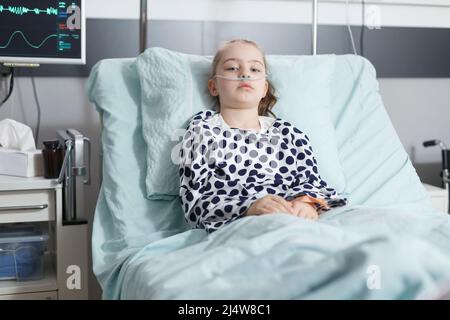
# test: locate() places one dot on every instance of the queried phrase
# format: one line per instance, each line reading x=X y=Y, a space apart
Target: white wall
x=409 y=13
x=420 y=110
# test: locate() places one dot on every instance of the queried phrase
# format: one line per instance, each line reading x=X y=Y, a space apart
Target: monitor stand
x=18 y=64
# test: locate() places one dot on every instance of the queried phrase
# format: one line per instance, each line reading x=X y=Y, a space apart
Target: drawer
x=27 y=206
x=47 y=295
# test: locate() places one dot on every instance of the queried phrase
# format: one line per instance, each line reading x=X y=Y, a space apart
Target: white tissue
x=16 y=135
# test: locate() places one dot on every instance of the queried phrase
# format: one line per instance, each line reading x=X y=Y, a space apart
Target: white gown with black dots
x=224 y=170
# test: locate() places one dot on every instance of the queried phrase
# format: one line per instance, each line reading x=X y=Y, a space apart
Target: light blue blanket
x=387 y=243
x=359 y=253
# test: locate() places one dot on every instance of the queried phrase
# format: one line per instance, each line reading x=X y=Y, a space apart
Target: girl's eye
x=235 y=68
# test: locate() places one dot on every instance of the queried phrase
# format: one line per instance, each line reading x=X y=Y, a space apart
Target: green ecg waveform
x=23 y=10
x=30 y=44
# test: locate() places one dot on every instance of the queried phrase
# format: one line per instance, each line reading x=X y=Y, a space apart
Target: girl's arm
x=206 y=203
x=307 y=184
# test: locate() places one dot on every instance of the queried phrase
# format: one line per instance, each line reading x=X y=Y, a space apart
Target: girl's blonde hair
x=266 y=104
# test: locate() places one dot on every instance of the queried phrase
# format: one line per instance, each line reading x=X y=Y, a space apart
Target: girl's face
x=240 y=59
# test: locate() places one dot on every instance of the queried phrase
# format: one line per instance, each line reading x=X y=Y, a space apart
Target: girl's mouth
x=246 y=85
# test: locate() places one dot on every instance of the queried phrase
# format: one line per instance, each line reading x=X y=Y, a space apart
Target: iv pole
x=314 y=27
x=143 y=26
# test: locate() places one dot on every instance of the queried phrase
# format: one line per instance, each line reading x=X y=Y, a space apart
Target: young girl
x=238 y=161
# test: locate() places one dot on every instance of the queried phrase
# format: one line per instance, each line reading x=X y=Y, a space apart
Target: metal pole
x=143 y=27
x=314 y=28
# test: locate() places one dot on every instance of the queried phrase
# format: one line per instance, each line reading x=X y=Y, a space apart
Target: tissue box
x=21 y=163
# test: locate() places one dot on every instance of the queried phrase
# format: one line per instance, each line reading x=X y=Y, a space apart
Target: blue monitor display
x=42 y=31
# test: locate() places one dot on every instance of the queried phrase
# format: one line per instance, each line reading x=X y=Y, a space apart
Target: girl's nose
x=245 y=76
x=245 y=73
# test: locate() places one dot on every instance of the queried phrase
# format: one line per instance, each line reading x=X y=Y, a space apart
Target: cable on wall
x=361 y=36
x=38 y=106
x=348 y=26
x=5 y=71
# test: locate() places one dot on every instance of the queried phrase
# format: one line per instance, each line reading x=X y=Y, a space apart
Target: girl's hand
x=269 y=204
x=304 y=210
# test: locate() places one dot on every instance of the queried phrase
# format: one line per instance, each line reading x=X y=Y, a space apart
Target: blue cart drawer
x=22 y=252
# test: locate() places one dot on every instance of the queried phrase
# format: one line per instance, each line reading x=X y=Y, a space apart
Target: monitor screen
x=45 y=31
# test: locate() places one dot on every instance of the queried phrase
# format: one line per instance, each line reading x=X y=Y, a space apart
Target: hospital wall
x=415 y=89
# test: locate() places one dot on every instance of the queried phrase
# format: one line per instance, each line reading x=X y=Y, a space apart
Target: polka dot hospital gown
x=224 y=170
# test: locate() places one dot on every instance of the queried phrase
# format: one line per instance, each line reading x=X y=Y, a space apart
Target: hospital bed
x=387 y=243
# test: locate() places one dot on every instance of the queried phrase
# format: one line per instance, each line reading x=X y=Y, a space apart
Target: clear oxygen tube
x=242 y=78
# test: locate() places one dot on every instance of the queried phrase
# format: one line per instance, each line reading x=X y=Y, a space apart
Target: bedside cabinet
x=439 y=197
x=39 y=202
